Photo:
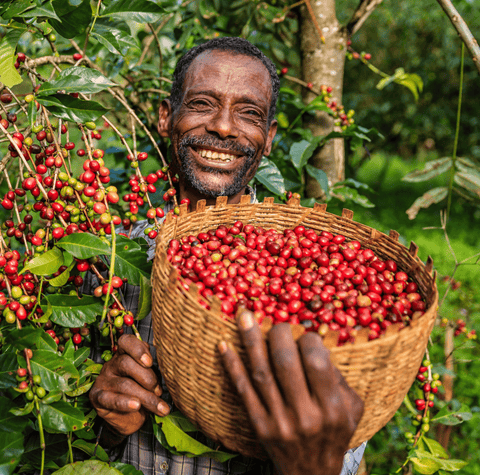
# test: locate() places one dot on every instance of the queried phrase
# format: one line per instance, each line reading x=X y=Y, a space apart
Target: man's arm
x=300 y=406
x=126 y=390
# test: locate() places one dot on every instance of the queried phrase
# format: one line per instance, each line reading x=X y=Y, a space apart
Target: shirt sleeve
x=352 y=459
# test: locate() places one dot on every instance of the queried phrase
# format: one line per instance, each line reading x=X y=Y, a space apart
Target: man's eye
x=252 y=112
x=200 y=103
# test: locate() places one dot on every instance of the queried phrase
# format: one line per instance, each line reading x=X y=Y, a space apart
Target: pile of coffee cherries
x=320 y=281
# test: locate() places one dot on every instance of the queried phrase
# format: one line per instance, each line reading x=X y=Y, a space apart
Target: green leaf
x=469 y=180
x=8 y=74
x=141 y=11
x=411 y=81
x=129 y=262
x=41 y=11
x=22 y=411
x=435 y=448
x=300 y=152
x=345 y=193
x=80 y=355
x=11 y=436
x=52 y=396
x=145 y=298
x=172 y=427
x=428 y=461
x=356 y=184
x=431 y=170
x=73 y=109
x=435 y=195
x=71 y=312
x=84 y=245
x=74 y=17
x=8 y=367
x=89 y=467
x=54 y=370
x=91 y=449
x=14 y=8
x=76 y=79
x=424 y=465
x=126 y=468
x=32 y=113
x=271 y=177
x=451 y=418
x=24 y=338
x=46 y=263
x=62 y=417
x=61 y=279
x=320 y=176
x=82 y=389
x=46 y=342
x=115 y=36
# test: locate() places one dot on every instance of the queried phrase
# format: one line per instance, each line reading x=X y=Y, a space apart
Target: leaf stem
x=42 y=435
x=457 y=131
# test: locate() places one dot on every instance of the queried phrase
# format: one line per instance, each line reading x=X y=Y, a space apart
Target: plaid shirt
x=144 y=451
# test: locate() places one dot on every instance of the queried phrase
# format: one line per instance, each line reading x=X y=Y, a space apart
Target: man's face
x=219 y=133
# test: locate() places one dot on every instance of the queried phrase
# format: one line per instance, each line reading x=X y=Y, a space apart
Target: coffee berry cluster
x=318 y=280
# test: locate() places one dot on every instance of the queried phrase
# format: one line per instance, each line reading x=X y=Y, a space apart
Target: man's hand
x=300 y=406
x=127 y=388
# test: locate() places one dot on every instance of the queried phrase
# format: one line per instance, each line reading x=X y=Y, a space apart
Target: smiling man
x=220 y=119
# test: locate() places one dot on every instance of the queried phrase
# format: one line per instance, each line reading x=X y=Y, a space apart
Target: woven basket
x=186 y=334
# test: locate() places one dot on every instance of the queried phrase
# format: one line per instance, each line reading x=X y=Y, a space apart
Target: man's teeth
x=224 y=157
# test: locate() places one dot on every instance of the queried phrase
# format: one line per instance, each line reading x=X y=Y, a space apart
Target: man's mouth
x=214 y=155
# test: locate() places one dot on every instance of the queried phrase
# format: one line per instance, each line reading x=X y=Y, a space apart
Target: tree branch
x=462 y=30
x=363 y=11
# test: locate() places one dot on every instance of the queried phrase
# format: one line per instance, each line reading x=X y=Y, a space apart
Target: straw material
x=186 y=334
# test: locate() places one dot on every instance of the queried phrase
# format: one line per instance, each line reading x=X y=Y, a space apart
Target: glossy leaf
x=174 y=427
x=425 y=465
x=115 y=36
x=271 y=177
x=8 y=74
x=91 y=449
x=46 y=263
x=451 y=418
x=145 y=298
x=61 y=279
x=82 y=389
x=46 y=342
x=129 y=262
x=345 y=193
x=62 y=417
x=8 y=367
x=435 y=448
x=24 y=338
x=435 y=195
x=320 y=176
x=88 y=468
x=54 y=370
x=84 y=245
x=41 y=11
x=76 y=79
x=70 y=108
x=80 y=355
x=74 y=17
x=22 y=411
x=142 y=11
x=126 y=468
x=32 y=113
x=11 y=436
x=13 y=8
x=300 y=152
x=71 y=312
x=413 y=82
x=432 y=169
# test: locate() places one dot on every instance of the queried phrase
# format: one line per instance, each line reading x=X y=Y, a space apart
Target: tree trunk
x=323 y=64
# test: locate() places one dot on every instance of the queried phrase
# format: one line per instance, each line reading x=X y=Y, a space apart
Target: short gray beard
x=187 y=169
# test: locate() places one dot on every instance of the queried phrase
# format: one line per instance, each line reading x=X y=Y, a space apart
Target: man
x=220 y=119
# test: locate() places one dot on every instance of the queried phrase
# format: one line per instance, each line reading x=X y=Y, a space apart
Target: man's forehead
x=209 y=65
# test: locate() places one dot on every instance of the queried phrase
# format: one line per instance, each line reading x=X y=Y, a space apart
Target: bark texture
x=323 y=64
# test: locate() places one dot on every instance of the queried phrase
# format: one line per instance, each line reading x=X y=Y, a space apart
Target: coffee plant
x=80 y=165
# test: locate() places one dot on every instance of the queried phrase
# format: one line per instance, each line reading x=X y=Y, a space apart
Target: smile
x=214 y=155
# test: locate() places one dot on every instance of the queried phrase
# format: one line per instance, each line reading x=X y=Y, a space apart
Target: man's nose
x=223 y=124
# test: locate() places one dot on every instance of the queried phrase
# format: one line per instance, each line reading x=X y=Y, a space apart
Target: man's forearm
x=109 y=438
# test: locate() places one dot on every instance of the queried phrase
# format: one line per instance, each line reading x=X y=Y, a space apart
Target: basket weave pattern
x=186 y=335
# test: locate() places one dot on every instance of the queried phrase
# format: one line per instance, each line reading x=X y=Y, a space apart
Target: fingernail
x=162 y=410
x=146 y=359
x=132 y=404
x=158 y=390
x=222 y=347
x=245 y=321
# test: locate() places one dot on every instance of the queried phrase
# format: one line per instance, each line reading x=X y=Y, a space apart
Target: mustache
x=209 y=141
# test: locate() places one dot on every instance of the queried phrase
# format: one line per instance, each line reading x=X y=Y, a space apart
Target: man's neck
x=194 y=197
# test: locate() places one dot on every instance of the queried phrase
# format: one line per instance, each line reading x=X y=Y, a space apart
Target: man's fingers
x=240 y=379
x=138 y=350
x=129 y=396
x=288 y=368
x=127 y=367
x=260 y=370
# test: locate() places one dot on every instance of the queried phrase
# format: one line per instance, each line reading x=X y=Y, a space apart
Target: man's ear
x=164 y=118
x=272 y=130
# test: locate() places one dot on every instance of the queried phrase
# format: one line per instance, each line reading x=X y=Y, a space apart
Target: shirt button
x=164 y=467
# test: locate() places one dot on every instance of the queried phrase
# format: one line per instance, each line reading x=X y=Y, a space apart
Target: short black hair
x=235 y=45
